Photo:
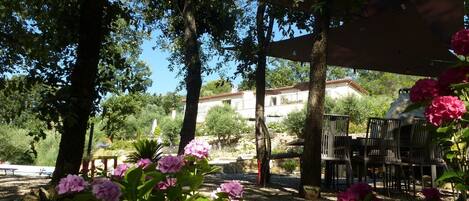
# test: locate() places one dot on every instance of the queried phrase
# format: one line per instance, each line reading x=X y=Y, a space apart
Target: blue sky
x=163 y=79
x=167 y=81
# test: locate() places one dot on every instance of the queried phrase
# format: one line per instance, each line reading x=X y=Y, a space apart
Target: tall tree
x=310 y=165
x=70 y=48
x=184 y=24
x=264 y=35
x=82 y=88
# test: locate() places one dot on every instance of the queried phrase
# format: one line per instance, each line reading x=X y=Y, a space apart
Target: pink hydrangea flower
x=347 y=196
x=121 y=169
x=197 y=148
x=169 y=182
x=233 y=188
x=357 y=192
x=361 y=189
x=71 y=184
x=443 y=109
x=431 y=194
x=170 y=164
x=106 y=190
x=424 y=89
x=143 y=163
x=452 y=76
x=460 y=42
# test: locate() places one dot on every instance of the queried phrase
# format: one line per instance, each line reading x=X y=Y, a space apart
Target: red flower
x=452 y=76
x=444 y=109
x=460 y=42
x=431 y=194
x=424 y=89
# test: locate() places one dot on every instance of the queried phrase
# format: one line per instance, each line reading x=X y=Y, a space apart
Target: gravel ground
x=281 y=188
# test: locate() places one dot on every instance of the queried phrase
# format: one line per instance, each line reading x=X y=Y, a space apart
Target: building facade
x=278 y=102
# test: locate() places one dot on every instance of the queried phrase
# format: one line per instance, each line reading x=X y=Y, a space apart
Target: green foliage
x=289 y=165
x=381 y=83
x=15 y=145
x=361 y=108
x=170 y=129
x=215 y=23
x=215 y=87
x=115 y=111
x=224 y=123
x=145 y=149
x=358 y=108
x=286 y=73
x=47 y=150
x=277 y=127
x=295 y=122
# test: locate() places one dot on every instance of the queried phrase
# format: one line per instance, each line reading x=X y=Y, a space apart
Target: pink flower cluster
x=233 y=189
x=71 y=184
x=357 y=192
x=106 y=190
x=431 y=194
x=121 y=169
x=169 y=182
x=144 y=163
x=444 y=109
x=423 y=90
x=170 y=164
x=197 y=148
x=452 y=76
x=460 y=42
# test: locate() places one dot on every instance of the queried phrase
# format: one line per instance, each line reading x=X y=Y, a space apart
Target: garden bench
x=12 y=170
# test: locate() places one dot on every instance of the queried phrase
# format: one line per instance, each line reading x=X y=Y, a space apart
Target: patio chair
x=380 y=149
x=423 y=152
x=335 y=148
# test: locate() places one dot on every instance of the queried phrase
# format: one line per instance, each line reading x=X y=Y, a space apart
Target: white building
x=278 y=102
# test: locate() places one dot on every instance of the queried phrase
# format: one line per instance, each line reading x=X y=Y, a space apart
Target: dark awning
x=410 y=39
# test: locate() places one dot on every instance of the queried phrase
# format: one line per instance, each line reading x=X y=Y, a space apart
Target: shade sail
x=412 y=39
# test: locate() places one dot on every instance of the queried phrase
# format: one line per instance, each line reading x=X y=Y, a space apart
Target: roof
x=304 y=86
x=300 y=86
x=408 y=38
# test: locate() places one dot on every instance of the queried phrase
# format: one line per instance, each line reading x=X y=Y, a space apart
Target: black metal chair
x=335 y=148
x=380 y=150
x=423 y=151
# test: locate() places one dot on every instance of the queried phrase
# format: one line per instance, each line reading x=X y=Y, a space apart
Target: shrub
x=295 y=122
x=149 y=149
x=170 y=129
x=47 y=150
x=172 y=178
x=276 y=127
x=15 y=145
x=224 y=123
x=289 y=165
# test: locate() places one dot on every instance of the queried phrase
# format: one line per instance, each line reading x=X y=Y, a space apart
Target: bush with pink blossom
x=173 y=178
x=358 y=192
x=431 y=194
x=446 y=110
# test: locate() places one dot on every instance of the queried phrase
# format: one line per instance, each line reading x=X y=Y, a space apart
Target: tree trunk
x=82 y=90
x=262 y=133
x=193 y=77
x=311 y=159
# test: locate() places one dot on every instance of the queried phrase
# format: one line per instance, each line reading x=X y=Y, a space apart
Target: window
x=273 y=101
x=228 y=102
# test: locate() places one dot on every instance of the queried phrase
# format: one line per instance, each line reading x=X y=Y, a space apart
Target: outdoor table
x=12 y=170
x=104 y=159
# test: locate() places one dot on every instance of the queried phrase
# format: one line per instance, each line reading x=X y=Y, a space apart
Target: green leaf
x=133 y=178
x=147 y=187
x=450 y=176
x=84 y=196
x=442 y=129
